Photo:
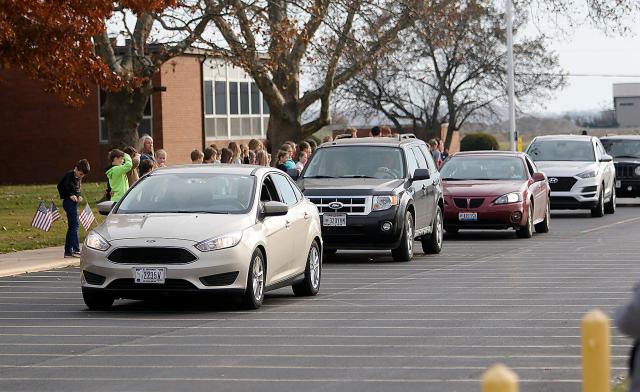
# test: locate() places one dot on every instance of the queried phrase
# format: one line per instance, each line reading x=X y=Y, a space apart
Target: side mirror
x=105 y=207
x=538 y=176
x=606 y=158
x=420 y=174
x=274 y=208
x=293 y=173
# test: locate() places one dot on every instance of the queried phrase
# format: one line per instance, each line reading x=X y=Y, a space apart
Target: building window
x=145 y=126
x=234 y=106
x=626 y=104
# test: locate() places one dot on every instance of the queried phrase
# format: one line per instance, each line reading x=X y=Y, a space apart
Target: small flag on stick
x=55 y=213
x=86 y=217
x=42 y=219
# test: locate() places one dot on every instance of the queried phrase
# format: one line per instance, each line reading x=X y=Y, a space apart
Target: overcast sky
x=589 y=51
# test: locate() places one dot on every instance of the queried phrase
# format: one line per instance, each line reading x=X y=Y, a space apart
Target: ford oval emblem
x=150 y=241
x=553 y=180
x=336 y=205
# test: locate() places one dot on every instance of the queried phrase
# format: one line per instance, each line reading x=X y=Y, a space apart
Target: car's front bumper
x=584 y=194
x=493 y=216
x=627 y=187
x=365 y=231
x=188 y=277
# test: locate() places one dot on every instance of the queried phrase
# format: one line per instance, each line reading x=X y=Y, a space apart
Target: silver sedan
x=239 y=229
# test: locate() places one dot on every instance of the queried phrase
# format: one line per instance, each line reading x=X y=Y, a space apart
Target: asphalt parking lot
x=434 y=324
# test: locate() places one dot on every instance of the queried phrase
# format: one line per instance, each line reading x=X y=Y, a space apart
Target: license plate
x=618 y=184
x=467 y=216
x=334 y=220
x=149 y=275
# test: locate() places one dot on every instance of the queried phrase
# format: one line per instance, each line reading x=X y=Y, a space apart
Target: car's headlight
x=637 y=171
x=384 y=202
x=95 y=241
x=588 y=174
x=514 y=197
x=221 y=242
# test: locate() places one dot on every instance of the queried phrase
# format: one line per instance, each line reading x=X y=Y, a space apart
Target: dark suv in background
x=376 y=193
x=625 y=151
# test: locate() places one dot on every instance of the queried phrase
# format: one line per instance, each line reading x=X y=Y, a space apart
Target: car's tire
x=526 y=231
x=97 y=300
x=405 y=251
x=312 y=273
x=451 y=230
x=329 y=251
x=254 y=294
x=610 y=207
x=433 y=243
x=543 y=227
x=598 y=210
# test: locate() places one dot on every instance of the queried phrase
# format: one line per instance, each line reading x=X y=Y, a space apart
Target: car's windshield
x=562 y=150
x=356 y=162
x=190 y=193
x=622 y=148
x=483 y=168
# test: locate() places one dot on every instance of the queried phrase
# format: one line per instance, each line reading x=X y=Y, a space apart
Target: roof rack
x=402 y=136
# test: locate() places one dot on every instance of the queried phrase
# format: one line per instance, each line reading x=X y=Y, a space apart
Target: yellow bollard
x=499 y=378
x=595 y=352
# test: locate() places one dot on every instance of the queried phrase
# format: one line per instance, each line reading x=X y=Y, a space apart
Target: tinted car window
x=356 y=162
x=184 y=193
x=622 y=148
x=483 y=168
x=285 y=189
x=562 y=150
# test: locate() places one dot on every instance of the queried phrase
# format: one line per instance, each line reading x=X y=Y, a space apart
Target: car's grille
x=625 y=171
x=352 y=205
x=92 y=278
x=169 y=284
x=151 y=255
x=220 y=279
x=562 y=184
x=468 y=202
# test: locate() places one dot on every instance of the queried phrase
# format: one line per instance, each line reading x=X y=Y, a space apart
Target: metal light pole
x=510 y=86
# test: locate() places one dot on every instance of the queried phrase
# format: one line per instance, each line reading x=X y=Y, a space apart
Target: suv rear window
x=356 y=162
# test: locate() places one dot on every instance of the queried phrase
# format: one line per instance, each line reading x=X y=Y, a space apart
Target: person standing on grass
x=69 y=190
x=121 y=164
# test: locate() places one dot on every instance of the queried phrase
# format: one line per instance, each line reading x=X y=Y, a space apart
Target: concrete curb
x=36 y=260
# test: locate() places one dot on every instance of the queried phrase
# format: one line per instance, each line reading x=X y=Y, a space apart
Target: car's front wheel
x=598 y=210
x=610 y=207
x=254 y=295
x=312 y=272
x=405 y=251
x=433 y=243
x=97 y=300
x=526 y=231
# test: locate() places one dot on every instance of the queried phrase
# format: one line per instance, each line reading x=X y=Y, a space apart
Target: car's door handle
x=306 y=216
x=287 y=224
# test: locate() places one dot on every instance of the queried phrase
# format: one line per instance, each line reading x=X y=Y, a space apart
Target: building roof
x=621 y=90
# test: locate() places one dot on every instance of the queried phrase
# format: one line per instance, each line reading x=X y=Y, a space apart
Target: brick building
x=201 y=102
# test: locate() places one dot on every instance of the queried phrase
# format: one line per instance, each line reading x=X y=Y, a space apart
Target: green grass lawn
x=18 y=204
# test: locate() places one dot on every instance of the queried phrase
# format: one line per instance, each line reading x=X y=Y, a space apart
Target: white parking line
x=610 y=225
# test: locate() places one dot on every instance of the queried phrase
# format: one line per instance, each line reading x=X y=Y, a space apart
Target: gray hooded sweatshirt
x=628 y=322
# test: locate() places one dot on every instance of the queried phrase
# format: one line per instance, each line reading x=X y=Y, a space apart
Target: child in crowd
x=146 y=167
x=69 y=190
x=133 y=175
x=252 y=157
x=121 y=164
x=245 y=154
x=161 y=158
x=235 y=150
x=302 y=160
x=226 y=155
x=262 y=158
x=283 y=158
x=209 y=155
x=197 y=156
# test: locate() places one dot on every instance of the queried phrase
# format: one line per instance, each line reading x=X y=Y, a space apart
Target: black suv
x=625 y=151
x=376 y=193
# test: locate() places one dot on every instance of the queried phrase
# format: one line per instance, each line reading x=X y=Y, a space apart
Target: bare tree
x=458 y=61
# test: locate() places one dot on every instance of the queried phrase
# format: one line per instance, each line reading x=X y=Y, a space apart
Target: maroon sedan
x=494 y=190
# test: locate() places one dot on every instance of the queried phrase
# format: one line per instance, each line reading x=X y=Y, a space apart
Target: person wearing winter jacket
x=121 y=164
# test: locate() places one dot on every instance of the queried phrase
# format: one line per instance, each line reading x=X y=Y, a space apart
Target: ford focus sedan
x=495 y=190
x=239 y=229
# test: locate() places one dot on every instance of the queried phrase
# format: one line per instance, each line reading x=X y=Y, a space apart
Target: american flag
x=55 y=213
x=42 y=219
x=86 y=217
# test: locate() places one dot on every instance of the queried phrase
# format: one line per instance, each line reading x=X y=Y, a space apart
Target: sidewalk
x=44 y=259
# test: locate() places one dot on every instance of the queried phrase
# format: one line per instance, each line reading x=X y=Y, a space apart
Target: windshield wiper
x=626 y=156
x=357 y=176
x=453 y=179
x=320 y=177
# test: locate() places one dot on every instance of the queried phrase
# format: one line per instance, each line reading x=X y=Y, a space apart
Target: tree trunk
x=123 y=111
x=280 y=130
